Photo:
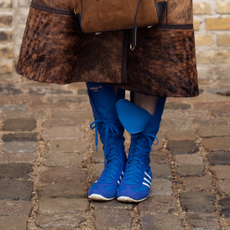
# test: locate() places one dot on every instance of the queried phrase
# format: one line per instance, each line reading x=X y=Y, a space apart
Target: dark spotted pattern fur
x=163 y=64
x=180 y=12
x=53 y=52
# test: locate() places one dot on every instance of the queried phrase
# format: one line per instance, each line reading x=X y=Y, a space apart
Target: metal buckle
x=131 y=47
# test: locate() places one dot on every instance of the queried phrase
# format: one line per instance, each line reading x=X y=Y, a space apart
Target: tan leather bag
x=108 y=15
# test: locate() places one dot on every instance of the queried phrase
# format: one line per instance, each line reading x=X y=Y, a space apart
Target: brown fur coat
x=163 y=63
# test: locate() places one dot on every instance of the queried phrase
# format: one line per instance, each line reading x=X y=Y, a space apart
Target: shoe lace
x=111 y=157
x=139 y=151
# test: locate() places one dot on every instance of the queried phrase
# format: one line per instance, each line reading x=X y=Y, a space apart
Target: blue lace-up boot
x=136 y=183
x=103 y=101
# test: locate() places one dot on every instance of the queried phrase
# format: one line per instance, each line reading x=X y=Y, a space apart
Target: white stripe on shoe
x=147 y=180
x=145 y=184
x=148 y=176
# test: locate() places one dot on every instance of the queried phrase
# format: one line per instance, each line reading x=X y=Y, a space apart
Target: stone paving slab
x=219 y=158
x=62 y=220
x=13 y=223
x=62 y=133
x=20 y=124
x=190 y=170
x=197 y=184
x=19 y=147
x=182 y=147
x=161 y=221
x=15 y=208
x=12 y=170
x=62 y=159
x=214 y=131
x=158 y=204
x=20 y=137
x=217 y=143
x=63 y=205
x=15 y=190
x=203 y=221
x=178 y=135
x=201 y=202
x=112 y=218
x=66 y=190
x=161 y=187
x=6 y=158
x=67 y=146
x=225 y=207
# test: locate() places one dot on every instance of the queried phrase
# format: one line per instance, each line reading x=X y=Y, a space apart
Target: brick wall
x=211 y=22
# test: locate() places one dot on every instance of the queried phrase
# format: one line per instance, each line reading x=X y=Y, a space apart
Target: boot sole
x=99 y=197
x=127 y=199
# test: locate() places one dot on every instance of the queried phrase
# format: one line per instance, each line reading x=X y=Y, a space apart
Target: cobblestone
x=203 y=221
x=15 y=208
x=6 y=158
x=217 y=143
x=63 y=182
x=159 y=157
x=178 y=135
x=214 y=131
x=63 y=205
x=12 y=107
x=62 y=159
x=219 y=158
x=112 y=218
x=161 y=171
x=15 y=190
x=201 y=202
x=225 y=207
x=223 y=187
x=186 y=159
x=63 y=220
x=161 y=221
x=15 y=170
x=20 y=124
x=182 y=147
x=197 y=184
x=222 y=172
x=20 y=137
x=19 y=147
x=62 y=133
x=174 y=124
x=190 y=170
x=63 y=190
x=13 y=223
x=7 y=89
x=67 y=146
x=158 y=204
x=161 y=187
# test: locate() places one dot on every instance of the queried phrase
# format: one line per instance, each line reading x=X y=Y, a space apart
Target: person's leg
x=146 y=102
x=103 y=100
x=143 y=123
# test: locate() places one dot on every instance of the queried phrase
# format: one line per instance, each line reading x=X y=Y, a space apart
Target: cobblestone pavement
x=48 y=161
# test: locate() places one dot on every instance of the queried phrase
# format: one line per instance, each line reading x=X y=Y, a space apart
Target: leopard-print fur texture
x=52 y=51
x=163 y=64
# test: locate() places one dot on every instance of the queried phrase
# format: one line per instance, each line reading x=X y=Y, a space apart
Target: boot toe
x=102 y=192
